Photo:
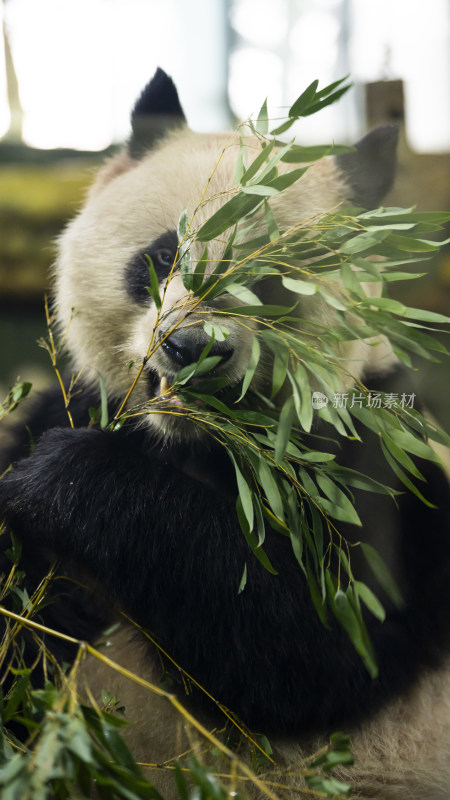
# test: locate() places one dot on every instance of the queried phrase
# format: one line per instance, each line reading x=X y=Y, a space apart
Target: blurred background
x=70 y=71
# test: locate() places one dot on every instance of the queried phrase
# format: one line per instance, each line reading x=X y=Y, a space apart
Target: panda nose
x=183 y=350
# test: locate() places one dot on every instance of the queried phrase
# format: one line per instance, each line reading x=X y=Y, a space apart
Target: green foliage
x=277 y=472
x=70 y=749
x=285 y=476
x=16 y=394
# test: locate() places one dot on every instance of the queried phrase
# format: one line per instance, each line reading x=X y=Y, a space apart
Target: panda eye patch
x=162 y=253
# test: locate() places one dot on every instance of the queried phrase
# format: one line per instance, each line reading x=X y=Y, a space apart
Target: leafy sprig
x=285 y=475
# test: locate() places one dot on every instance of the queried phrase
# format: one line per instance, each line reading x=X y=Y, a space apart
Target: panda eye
x=162 y=252
x=165 y=257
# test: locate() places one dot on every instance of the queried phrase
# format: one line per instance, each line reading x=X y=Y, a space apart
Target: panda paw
x=38 y=493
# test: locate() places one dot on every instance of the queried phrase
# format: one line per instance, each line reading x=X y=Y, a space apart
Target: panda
x=145 y=516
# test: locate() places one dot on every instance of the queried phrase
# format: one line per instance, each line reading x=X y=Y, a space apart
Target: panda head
x=109 y=320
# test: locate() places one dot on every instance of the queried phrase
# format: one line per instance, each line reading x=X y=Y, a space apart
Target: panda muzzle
x=183 y=349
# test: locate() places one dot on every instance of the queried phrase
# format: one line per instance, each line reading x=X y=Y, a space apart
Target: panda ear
x=156 y=111
x=370 y=169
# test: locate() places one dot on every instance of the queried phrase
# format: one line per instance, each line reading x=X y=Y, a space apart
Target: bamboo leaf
x=257 y=162
x=299 y=153
x=251 y=368
x=369 y=600
x=299 y=286
x=103 y=402
x=153 y=289
x=269 y=485
x=284 y=429
x=260 y=189
x=199 y=271
x=227 y=216
x=382 y=574
x=262 y=123
x=243 y=581
x=304 y=101
x=245 y=493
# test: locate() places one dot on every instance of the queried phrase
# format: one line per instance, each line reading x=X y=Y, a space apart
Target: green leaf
x=369 y=600
x=260 y=310
x=284 y=429
x=181 y=783
x=426 y=316
x=406 y=440
x=316 y=596
x=304 y=406
x=199 y=272
x=299 y=286
x=303 y=102
x=118 y=749
x=252 y=541
x=279 y=370
x=15 y=695
x=243 y=293
x=251 y=368
x=402 y=477
x=328 y=787
x=340 y=507
x=216 y=329
x=282 y=182
x=210 y=788
x=298 y=153
x=283 y=127
x=332 y=300
x=245 y=493
x=382 y=574
x=262 y=123
x=412 y=245
x=243 y=581
x=269 y=485
x=348 y=618
x=313 y=457
x=326 y=101
x=153 y=289
x=103 y=402
x=271 y=223
x=227 y=216
x=257 y=162
x=260 y=189
x=197 y=369
x=363 y=241
x=183 y=226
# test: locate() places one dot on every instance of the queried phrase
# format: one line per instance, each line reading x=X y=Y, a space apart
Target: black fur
x=370 y=170
x=162 y=253
x=157 y=111
x=168 y=549
x=70 y=608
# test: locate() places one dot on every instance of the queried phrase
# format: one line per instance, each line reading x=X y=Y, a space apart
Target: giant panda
x=146 y=515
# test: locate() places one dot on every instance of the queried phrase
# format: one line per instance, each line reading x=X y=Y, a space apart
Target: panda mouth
x=160 y=388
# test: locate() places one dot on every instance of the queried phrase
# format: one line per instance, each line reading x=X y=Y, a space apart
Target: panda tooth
x=165 y=385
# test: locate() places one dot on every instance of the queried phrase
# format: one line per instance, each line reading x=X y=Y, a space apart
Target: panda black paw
x=37 y=494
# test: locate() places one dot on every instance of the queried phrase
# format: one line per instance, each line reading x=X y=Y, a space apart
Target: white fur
x=129 y=206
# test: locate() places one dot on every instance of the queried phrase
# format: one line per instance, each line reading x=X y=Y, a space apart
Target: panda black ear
x=156 y=111
x=370 y=169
